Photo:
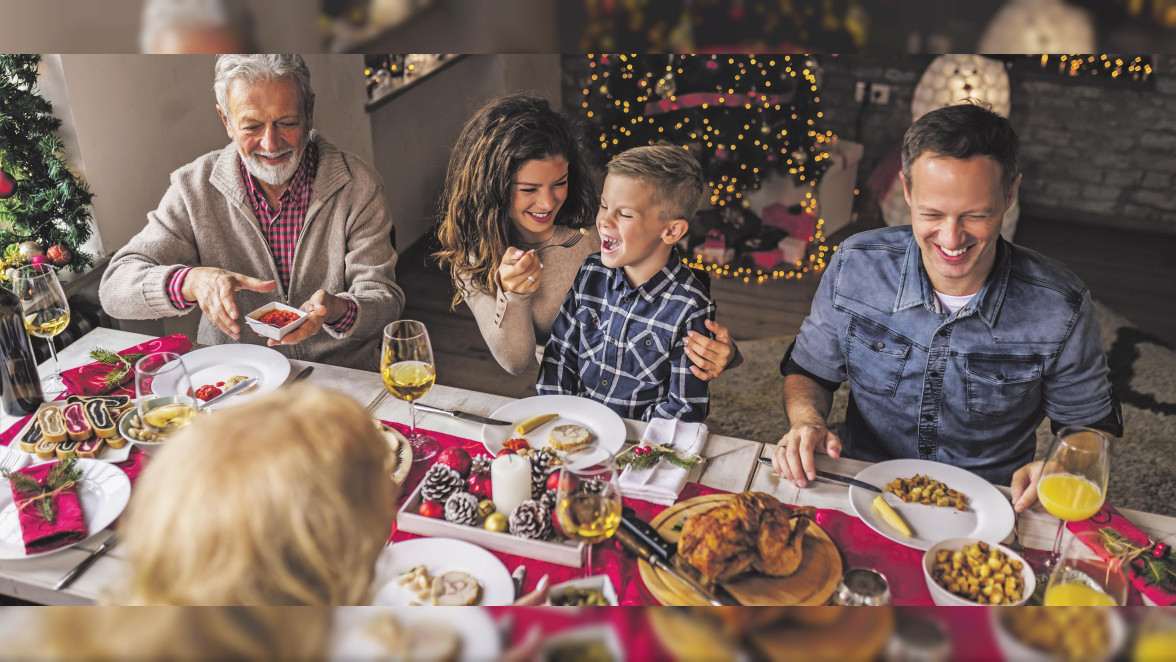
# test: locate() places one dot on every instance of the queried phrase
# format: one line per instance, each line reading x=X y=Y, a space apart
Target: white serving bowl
x=596 y=582
x=945 y=598
x=124 y=425
x=253 y=320
x=1012 y=648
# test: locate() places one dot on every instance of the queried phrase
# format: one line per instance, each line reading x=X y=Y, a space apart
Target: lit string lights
x=1115 y=66
x=743 y=116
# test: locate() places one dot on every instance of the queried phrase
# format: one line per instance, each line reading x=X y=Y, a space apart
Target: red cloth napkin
x=1111 y=518
x=40 y=535
x=88 y=379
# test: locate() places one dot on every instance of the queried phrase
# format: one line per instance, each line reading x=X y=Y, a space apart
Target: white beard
x=274 y=175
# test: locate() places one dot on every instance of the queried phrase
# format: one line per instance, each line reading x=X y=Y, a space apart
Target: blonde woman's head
x=286 y=500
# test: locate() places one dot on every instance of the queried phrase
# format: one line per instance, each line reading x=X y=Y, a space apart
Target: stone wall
x=1090 y=153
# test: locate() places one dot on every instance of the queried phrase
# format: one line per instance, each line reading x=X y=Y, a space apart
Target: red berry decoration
x=431 y=508
x=1159 y=550
x=457 y=459
x=480 y=486
x=7 y=185
x=505 y=451
x=59 y=255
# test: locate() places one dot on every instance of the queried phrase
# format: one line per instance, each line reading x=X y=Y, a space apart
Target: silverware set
x=568 y=243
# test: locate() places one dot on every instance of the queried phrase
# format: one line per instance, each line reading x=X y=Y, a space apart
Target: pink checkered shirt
x=281 y=228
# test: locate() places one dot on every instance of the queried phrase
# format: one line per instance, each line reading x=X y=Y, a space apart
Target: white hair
x=161 y=15
x=267 y=67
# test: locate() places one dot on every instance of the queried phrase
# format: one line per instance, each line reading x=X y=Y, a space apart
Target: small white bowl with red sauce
x=275 y=320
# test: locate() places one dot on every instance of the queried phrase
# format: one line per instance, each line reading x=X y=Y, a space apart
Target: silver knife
x=837 y=478
x=463 y=415
x=237 y=388
x=86 y=563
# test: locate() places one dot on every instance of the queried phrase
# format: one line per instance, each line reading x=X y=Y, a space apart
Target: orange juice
x=1069 y=497
x=1076 y=594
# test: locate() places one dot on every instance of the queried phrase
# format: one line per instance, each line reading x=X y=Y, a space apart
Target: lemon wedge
x=891 y=516
x=532 y=423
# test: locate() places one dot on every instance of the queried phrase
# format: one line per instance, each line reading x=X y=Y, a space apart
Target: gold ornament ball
x=29 y=249
x=495 y=522
x=485 y=508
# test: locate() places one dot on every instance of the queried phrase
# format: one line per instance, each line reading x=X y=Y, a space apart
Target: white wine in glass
x=46 y=310
x=163 y=391
x=406 y=366
x=588 y=506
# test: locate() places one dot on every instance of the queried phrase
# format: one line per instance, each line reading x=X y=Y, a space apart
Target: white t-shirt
x=953 y=303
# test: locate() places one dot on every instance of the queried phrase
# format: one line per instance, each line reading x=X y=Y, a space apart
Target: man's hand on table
x=793 y=459
x=324 y=308
x=214 y=291
x=1024 y=485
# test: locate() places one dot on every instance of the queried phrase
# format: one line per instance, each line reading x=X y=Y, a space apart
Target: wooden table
x=731 y=465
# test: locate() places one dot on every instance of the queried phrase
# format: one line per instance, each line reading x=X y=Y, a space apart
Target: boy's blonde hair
x=671 y=172
x=286 y=500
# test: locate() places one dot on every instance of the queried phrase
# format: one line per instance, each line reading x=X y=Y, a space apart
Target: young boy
x=619 y=337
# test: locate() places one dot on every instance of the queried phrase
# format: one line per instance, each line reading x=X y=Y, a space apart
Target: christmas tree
x=743 y=117
x=44 y=208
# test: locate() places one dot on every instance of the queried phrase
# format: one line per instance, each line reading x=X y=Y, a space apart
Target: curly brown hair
x=474 y=226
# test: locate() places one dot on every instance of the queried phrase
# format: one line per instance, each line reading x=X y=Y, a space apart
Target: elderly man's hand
x=213 y=290
x=324 y=308
x=793 y=459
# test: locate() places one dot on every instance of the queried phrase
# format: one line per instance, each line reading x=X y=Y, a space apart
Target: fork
x=11 y=459
x=568 y=243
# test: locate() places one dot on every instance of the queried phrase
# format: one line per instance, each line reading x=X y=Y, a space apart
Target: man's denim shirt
x=968 y=389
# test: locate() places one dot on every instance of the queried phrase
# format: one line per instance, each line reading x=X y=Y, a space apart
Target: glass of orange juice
x=1082 y=579
x=1073 y=483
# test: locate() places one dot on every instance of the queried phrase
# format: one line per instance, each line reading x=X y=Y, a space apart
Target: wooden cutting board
x=812 y=584
x=856 y=634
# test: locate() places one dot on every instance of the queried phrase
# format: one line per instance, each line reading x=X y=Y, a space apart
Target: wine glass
x=588 y=505
x=45 y=310
x=406 y=365
x=1073 y=482
x=1082 y=579
x=163 y=391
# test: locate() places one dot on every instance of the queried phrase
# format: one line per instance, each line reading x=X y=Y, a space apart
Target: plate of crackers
x=581 y=431
x=80 y=426
x=936 y=501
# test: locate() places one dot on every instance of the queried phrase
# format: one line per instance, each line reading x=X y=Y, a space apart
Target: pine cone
x=540 y=467
x=440 y=482
x=594 y=486
x=461 y=508
x=548 y=501
x=529 y=520
x=481 y=464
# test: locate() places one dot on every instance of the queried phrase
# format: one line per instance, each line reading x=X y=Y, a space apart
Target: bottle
x=20 y=384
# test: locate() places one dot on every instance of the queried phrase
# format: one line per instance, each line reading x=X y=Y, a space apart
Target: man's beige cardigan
x=205 y=220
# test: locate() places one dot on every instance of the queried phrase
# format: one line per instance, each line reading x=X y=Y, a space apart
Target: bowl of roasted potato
x=1091 y=634
x=963 y=572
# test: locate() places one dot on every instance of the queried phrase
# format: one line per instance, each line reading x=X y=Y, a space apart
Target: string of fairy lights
x=743 y=116
x=1136 y=68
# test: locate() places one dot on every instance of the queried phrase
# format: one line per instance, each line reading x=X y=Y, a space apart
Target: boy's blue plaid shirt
x=625 y=346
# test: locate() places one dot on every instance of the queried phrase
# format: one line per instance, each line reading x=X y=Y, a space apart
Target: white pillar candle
x=510 y=480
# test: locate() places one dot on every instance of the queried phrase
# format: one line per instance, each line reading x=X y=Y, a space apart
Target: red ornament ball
x=59 y=255
x=457 y=459
x=570 y=479
x=7 y=185
x=480 y=486
x=432 y=508
x=37 y=260
x=505 y=451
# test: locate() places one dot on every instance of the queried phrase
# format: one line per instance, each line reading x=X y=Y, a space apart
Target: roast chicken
x=751 y=532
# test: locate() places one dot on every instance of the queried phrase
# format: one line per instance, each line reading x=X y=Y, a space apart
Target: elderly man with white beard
x=280 y=214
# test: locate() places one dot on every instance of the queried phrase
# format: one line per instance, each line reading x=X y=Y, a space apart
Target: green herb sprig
x=62 y=475
x=645 y=457
x=123 y=364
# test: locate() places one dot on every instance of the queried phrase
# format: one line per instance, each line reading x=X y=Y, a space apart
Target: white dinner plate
x=607 y=428
x=989 y=515
x=352 y=638
x=218 y=363
x=104 y=491
x=438 y=556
